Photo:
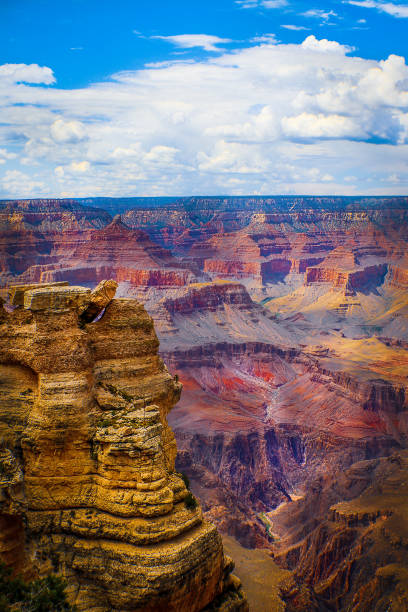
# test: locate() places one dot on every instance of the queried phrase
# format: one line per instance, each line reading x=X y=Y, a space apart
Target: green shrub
x=42 y=595
x=190 y=501
x=104 y=423
x=185 y=479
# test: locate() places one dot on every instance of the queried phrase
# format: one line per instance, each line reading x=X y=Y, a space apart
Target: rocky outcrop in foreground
x=88 y=487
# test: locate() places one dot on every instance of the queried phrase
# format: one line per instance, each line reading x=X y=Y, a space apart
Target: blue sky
x=177 y=98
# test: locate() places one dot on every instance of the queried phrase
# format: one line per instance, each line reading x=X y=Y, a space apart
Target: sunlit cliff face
x=87 y=458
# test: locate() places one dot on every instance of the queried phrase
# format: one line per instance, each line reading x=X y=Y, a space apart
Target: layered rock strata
x=50 y=215
x=356 y=557
x=398 y=276
x=262 y=416
x=88 y=255
x=88 y=487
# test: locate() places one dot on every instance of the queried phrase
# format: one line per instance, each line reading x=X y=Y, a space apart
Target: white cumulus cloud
x=18 y=184
x=67 y=131
x=82 y=166
x=26 y=73
x=324 y=45
x=266 y=118
x=6 y=155
x=308 y=125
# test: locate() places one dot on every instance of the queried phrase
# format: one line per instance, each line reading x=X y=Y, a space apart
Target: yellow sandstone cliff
x=88 y=488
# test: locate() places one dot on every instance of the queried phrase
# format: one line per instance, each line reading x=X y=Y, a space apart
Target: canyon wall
x=286 y=321
x=355 y=557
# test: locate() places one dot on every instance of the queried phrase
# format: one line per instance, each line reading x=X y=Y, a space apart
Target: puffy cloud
x=373 y=97
x=231 y=157
x=386 y=83
x=67 y=131
x=18 y=184
x=26 y=73
x=82 y=166
x=308 y=125
x=326 y=46
x=268 y=118
x=6 y=155
x=133 y=151
x=75 y=167
x=161 y=155
x=262 y=125
x=205 y=41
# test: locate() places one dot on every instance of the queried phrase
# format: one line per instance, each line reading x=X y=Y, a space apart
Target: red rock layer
x=397 y=277
x=342 y=279
x=207 y=296
x=89 y=256
x=92 y=275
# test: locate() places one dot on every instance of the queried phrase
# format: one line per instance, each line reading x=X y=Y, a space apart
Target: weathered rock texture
x=87 y=481
x=356 y=557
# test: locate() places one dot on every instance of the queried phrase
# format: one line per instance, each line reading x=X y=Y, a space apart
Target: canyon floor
x=257 y=571
x=286 y=321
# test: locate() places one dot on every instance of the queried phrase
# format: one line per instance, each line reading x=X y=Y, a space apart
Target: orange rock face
x=87 y=481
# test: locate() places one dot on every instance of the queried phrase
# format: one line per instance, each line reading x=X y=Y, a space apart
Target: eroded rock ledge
x=87 y=481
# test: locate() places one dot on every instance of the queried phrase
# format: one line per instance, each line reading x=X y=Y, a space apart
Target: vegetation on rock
x=41 y=595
